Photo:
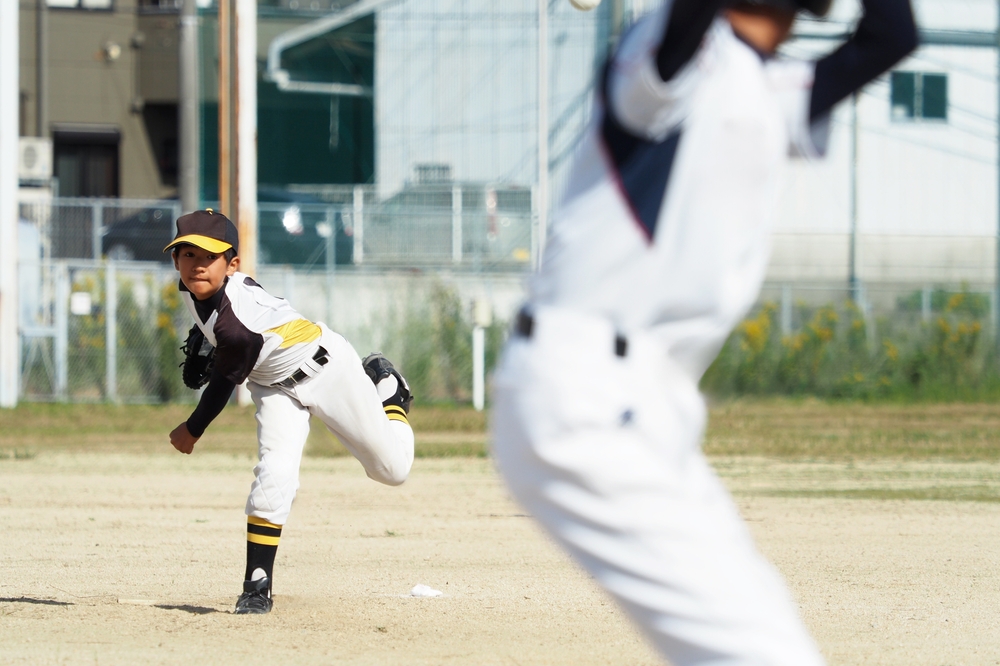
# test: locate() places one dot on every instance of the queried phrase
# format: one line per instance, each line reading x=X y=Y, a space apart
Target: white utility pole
x=9 y=133
x=238 y=123
x=238 y=129
x=853 y=279
x=246 y=132
x=482 y=316
x=189 y=125
x=996 y=261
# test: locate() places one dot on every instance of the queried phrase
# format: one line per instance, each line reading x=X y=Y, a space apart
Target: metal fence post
x=456 y=224
x=111 y=330
x=288 y=281
x=786 y=310
x=61 y=351
x=536 y=260
x=359 y=224
x=331 y=261
x=96 y=229
x=478 y=367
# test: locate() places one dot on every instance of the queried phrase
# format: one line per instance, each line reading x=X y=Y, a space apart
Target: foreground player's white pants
x=605 y=452
x=345 y=400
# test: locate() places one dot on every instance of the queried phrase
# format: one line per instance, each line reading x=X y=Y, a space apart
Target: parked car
x=292 y=229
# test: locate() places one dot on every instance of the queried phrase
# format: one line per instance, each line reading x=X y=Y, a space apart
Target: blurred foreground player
x=294 y=369
x=655 y=253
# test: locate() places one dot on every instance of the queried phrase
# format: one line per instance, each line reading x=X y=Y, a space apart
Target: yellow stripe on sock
x=295 y=332
x=254 y=520
x=393 y=416
x=263 y=540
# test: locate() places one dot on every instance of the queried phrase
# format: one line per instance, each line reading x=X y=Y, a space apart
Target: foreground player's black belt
x=525 y=324
x=322 y=357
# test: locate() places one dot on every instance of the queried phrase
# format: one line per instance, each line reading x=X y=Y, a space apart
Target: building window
x=81 y=4
x=919 y=96
x=86 y=160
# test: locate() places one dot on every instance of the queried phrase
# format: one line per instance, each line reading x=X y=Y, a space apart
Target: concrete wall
x=370 y=309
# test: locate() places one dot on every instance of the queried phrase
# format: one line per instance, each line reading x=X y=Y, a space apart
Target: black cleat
x=378 y=367
x=256 y=598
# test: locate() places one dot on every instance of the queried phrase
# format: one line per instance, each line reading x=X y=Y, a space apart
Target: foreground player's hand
x=182 y=440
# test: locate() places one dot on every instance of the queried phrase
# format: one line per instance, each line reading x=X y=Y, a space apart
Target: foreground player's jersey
x=256 y=336
x=665 y=222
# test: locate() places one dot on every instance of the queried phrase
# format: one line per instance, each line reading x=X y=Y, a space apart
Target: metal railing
x=459 y=227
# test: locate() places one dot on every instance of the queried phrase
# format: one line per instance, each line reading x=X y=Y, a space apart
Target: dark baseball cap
x=208 y=230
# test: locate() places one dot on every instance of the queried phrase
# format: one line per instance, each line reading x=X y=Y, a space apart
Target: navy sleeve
x=213 y=400
x=687 y=23
x=885 y=35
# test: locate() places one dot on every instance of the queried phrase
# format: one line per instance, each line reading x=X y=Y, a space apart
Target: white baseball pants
x=341 y=396
x=605 y=452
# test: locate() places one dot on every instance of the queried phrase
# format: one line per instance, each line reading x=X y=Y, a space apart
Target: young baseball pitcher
x=294 y=369
x=656 y=252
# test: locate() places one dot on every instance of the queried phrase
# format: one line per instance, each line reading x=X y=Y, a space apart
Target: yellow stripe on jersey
x=254 y=520
x=263 y=540
x=295 y=332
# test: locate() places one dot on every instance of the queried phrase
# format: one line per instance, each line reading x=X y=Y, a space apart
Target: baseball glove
x=199 y=357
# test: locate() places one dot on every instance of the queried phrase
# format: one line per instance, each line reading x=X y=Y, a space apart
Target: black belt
x=322 y=357
x=525 y=324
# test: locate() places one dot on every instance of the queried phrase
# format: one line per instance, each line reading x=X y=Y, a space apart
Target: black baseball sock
x=262 y=545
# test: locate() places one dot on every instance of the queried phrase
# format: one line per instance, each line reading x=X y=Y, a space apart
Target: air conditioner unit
x=34 y=159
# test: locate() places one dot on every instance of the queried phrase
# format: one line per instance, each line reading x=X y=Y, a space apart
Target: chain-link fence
x=401 y=275
x=462 y=226
x=102 y=331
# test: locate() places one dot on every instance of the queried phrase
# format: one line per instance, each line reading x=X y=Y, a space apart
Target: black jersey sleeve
x=886 y=34
x=213 y=401
x=687 y=23
x=238 y=347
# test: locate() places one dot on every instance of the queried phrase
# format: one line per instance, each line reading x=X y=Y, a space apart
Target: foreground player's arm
x=885 y=35
x=687 y=23
x=213 y=401
x=649 y=82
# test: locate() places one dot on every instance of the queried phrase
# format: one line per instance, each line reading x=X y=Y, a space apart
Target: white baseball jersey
x=256 y=336
x=657 y=251
x=664 y=225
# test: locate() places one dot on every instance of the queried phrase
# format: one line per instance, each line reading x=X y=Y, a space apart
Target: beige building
x=109 y=98
x=112 y=135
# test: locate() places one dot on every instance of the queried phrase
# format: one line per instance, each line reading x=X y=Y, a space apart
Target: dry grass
x=779 y=428
x=816 y=429
x=33 y=427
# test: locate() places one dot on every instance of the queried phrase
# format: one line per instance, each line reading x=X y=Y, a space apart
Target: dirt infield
x=122 y=558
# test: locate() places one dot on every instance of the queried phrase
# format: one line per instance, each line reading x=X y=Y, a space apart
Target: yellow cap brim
x=204 y=242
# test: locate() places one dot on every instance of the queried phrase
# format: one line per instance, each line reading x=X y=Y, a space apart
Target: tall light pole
x=9 y=97
x=543 y=128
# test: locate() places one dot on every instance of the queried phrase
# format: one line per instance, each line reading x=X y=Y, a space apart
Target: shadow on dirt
x=194 y=610
x=30 y=600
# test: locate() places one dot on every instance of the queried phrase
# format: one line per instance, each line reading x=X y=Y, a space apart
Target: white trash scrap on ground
x=422 y=590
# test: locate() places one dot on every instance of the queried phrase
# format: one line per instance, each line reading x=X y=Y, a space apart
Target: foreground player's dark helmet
x=814 y=7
